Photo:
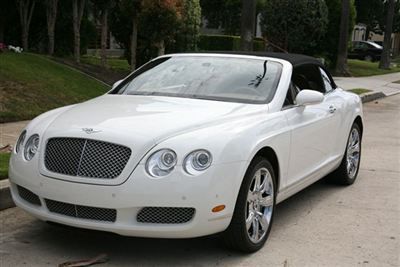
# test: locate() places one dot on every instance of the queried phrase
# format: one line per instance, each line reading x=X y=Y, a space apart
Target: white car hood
x=140 y=122
x=152 y=117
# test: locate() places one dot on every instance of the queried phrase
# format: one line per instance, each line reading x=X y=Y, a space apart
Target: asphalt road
x=324 y=225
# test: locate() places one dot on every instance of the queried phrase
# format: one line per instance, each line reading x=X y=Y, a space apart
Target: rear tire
x=347 y=172
x=254 y=209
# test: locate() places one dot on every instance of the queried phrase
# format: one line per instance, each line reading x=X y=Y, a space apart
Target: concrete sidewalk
x=379 y=83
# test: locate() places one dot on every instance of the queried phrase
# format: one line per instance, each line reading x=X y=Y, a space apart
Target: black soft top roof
x=294 y=59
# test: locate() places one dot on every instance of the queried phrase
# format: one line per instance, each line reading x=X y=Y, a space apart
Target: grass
x=4 y=159
x=31 y=84
x=360 y=91
x=359 y=68
x=113 y=63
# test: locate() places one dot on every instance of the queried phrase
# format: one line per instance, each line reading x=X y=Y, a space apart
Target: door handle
x=332 y=109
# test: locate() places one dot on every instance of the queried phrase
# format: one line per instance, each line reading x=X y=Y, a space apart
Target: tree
x=341 y=64
x=103 y=7
x=25 y=8
x=248 y=19
x=163 y=29
x=51 y=15
x=370 y=13
x=328 y=45
x=189 y=32
x=385 y=57
x=78 y=7
x=223 y=14
x=295 y=26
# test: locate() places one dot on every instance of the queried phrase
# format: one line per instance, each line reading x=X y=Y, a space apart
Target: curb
x=5 y=195
x=368 y=97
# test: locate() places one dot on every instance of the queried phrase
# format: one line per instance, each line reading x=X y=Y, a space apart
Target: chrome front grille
x=28 y=196
x=85 y=157
x=81 y=212
x=165 y=215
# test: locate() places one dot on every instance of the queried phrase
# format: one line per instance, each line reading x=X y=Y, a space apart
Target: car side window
x=326 y=80
x=308 y=77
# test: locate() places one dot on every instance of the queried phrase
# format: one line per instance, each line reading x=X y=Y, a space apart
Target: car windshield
x=375 y=45
x=205 y=77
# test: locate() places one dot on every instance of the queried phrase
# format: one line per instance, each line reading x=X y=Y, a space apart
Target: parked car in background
x=365 y=50
x=191 y=145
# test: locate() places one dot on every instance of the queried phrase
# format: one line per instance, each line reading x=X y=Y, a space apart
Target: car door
x=312 y=129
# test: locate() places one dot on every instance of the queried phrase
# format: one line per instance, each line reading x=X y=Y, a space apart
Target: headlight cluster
x=162 y=162
x=31 y=145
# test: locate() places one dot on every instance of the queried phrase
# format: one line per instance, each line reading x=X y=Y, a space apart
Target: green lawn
x=359 y=68
x=113 y=63
x=360 y=91
x=4 y=159
x=31 y=84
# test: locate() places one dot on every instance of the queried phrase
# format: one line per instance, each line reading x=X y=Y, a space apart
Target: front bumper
x=219 y=185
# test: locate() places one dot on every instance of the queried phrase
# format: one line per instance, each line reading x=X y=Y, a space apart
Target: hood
x=138 y=122
x=152 y=117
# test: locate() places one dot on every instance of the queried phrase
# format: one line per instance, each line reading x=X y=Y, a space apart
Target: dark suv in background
x=365 y=50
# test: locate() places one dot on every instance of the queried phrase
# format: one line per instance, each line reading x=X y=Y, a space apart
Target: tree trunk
x=2 y=21
x=25 y=8
x=77 y=13
x=387 y=42
x=161 y=48
x=248 y=20
x=341 y=64
x=134 y=40
x=104 y=34
x=51 y=14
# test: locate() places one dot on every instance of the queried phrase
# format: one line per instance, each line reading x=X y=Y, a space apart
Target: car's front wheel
x=254 y=210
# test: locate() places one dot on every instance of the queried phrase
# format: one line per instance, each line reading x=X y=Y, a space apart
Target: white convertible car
x=191 y=145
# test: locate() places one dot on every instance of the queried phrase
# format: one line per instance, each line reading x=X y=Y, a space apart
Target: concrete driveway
x=324 y=225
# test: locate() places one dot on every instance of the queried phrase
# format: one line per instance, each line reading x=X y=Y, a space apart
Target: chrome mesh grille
x=85 y=157
x=81 y=212
x=28 y=196
x=165 y=215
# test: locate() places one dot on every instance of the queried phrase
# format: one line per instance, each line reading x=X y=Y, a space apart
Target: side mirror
x=309 y=97
x=116 y=83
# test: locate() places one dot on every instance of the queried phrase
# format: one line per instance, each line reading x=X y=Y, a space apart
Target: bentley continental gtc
x=190 y=145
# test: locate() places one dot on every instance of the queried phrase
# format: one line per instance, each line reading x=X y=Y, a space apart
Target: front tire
x=254 y=210
x=347 y=172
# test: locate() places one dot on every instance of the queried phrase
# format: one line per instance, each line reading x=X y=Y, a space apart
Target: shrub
x=225 y=43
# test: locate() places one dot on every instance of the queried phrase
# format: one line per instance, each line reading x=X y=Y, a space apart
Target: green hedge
x=225 y=43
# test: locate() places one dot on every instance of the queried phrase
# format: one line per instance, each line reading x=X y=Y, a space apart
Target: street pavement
x=324 y=225
x=379 y=83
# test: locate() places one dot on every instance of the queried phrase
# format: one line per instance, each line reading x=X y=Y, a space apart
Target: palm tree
x=385 y=57
x=341 y=64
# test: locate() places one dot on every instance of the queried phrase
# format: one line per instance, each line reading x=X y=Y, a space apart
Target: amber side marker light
x=218 y=208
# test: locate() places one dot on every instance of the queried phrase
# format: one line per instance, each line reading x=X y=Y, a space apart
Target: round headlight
x=197 y=161
x=20 y=141
x=161 y=162
x=31 y=147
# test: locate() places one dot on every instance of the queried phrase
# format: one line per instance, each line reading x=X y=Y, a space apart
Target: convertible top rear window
x=205 y=77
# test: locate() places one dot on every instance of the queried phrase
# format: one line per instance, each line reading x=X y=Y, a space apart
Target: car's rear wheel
x=254 y=210
x=347 y=172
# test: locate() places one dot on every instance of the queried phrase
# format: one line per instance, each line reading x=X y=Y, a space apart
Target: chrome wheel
x=353 y=153
x=260 y=203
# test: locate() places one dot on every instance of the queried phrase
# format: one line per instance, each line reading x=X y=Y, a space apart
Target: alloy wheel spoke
x=249 y=220
x=264 y=223
x=255 y=226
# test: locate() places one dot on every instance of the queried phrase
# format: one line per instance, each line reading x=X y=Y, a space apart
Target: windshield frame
x=158 y=60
